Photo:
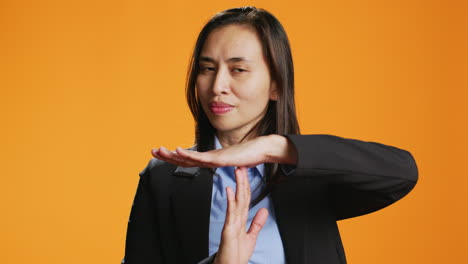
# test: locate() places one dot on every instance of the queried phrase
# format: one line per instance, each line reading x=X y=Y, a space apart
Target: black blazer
x=335 y=178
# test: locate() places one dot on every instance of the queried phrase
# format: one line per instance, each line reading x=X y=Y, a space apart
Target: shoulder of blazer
x=152 y=164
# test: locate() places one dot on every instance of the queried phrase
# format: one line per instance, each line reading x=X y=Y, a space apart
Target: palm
x=237 y=246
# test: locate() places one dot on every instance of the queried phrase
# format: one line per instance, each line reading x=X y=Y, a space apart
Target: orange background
x=89 y=87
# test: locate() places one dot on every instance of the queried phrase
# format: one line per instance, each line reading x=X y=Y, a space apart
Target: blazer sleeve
x=363 y=177
x=143 y=240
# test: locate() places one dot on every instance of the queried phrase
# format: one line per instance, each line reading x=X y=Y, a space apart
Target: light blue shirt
x=269 y=247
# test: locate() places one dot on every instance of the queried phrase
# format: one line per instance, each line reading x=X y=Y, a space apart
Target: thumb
x=258 y=222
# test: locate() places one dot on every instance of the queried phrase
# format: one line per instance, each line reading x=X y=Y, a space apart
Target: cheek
x=256 y=92
x=201 y=87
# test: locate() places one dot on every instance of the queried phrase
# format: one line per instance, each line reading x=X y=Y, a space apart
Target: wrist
x=280 y=150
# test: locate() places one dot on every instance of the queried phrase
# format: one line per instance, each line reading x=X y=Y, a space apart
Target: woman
x=281 y=203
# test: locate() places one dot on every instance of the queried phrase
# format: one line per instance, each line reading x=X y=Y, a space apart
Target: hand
x=237 y=246
x=264 y=149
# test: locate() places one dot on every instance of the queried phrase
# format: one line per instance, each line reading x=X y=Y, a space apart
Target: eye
x=239 y=70
x=207 y=69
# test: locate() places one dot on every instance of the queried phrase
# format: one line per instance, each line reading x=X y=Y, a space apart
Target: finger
x=257 y=223
x=246 y=194
x=231 y=205
x=165 y=155
x=242 y=194
x=171 y=157
x=157 y=154
x=240 y=185
x=245 y=186
x=168 y=154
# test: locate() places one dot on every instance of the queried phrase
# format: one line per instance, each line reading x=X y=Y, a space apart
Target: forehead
x=233 y=41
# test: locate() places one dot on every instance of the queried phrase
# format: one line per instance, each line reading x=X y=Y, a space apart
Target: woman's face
x=234 y=84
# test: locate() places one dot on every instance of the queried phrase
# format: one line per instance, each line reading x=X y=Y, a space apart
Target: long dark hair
x=280 y=117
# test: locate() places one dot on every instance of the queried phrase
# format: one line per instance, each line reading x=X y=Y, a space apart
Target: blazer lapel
x=191 y=205
x=290 y=219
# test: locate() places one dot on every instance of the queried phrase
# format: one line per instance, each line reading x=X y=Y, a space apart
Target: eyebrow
x=233 y=59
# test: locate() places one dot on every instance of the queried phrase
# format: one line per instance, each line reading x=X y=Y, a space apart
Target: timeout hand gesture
x=237 y=245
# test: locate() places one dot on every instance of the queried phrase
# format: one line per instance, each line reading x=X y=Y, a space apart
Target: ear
x=273 y=91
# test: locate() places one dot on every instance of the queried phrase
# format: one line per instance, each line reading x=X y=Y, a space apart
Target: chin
x=223 y=125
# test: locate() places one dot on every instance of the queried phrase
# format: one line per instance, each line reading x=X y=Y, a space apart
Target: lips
x=220 y=107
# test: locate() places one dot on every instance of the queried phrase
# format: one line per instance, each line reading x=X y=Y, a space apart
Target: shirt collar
x=260 y=167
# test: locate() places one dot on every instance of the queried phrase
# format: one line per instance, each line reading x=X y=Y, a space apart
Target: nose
x=221 y=82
